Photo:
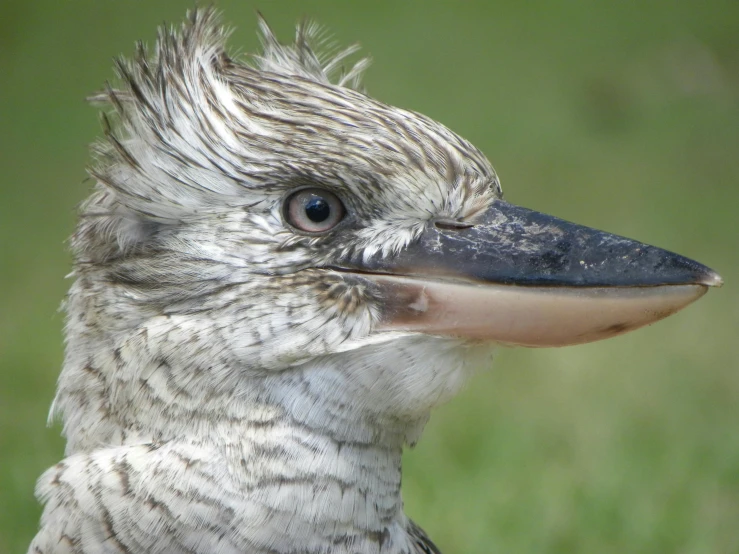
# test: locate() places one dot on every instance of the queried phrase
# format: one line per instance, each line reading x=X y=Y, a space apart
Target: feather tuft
x=312 y=56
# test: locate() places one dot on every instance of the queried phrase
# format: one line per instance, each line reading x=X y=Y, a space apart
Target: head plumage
x=192 y=130
x=181 y=87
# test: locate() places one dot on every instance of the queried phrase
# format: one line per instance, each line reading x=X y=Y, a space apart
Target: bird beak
x=521 y=277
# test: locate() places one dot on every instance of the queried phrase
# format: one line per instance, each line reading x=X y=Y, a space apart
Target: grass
x=616 y=116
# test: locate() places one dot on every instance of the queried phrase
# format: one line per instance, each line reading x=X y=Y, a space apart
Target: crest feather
x=175 y=143
x=312 y=56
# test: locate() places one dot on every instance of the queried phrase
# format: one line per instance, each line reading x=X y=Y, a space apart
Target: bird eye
x=313 y=210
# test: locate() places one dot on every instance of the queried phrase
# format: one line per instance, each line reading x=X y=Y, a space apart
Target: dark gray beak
x=522 y=277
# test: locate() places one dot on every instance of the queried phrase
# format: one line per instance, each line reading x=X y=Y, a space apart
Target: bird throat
x=312 y=467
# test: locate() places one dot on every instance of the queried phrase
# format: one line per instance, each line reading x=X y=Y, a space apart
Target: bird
x=276 y=280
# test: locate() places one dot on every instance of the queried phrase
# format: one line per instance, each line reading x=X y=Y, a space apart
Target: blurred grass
x=623 y=116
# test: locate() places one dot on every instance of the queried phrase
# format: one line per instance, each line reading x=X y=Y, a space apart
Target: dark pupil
x=317 y=209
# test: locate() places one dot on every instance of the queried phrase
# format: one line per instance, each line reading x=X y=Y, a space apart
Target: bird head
x=256 y=221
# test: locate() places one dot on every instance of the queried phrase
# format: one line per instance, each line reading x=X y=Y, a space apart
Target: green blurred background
x=621 y=115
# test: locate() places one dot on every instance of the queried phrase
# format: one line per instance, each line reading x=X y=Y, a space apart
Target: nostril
x=451 y=225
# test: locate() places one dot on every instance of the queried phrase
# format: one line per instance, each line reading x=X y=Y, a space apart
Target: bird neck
x=318 y=483
x=302 y=456
x=312 y=445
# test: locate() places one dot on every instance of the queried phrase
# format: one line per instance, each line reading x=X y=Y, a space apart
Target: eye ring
x=313 y=210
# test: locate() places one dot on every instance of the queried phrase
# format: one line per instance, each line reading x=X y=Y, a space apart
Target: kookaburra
x=276 y=279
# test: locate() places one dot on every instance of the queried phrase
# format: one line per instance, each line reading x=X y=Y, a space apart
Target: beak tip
x=711 y=279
